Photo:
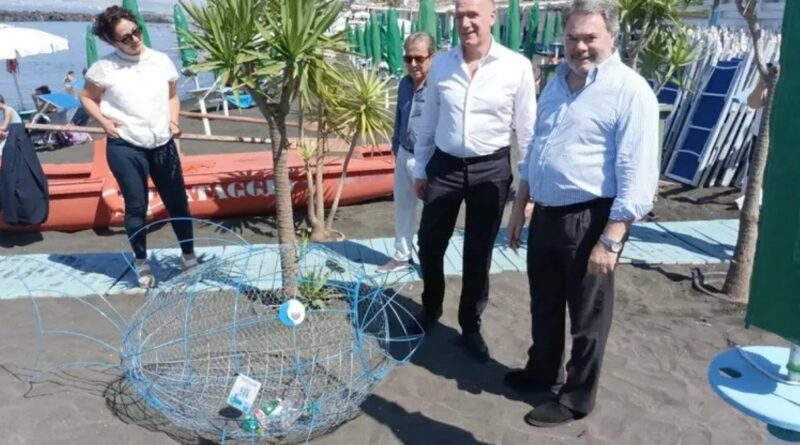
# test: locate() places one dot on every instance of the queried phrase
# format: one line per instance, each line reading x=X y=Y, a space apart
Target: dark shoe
x=523 y=380
x=550 y=414
x=423 y=321
x=476 y=347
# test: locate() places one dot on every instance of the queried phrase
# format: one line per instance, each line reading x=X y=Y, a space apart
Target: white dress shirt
x=467 y=117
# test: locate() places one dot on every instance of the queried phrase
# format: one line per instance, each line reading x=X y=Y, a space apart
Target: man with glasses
x=419 y=49
x=477 y=93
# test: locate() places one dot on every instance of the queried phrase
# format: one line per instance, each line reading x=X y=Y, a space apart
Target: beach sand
x=653 y=388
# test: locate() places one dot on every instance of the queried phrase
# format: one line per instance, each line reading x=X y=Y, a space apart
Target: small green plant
x=314 y=289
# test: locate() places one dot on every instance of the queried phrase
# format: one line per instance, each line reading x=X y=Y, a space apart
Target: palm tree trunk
x=737 y=281
x=283 y=193
x=343 y=176
x=285 y=214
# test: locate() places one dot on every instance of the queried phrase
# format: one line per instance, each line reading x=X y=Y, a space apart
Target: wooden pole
x=184 y=136
x=220 y=117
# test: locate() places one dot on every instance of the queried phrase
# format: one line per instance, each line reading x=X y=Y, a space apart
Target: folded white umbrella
x=16 y=42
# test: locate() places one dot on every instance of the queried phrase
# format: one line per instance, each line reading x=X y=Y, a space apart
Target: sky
x=158 y=6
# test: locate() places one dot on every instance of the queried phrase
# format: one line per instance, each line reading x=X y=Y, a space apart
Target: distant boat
x=86 y=195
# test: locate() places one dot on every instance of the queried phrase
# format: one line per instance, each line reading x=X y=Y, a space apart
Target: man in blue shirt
x=419 y=48
x=592 y=170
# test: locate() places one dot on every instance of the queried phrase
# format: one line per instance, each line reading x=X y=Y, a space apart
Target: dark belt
x=499 y=154
x=573 y=208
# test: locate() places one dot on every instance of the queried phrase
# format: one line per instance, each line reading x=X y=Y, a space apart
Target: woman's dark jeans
x=131 y=166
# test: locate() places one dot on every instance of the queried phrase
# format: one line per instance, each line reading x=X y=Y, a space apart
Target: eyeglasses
x=418 y=59
x=128 y=38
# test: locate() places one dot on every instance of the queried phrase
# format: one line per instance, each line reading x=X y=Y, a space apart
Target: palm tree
x=652 y=34
x=274 y=49
x=364 y=113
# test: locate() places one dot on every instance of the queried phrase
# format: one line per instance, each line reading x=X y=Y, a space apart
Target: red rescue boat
x=86 y=195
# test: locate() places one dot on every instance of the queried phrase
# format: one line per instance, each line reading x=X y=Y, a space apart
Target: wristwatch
x=614 y=246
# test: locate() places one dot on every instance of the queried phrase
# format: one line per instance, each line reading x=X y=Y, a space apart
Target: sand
x=653 y=388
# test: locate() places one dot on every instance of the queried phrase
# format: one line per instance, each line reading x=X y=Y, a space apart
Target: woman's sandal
x=146 y=278
x=189 y=263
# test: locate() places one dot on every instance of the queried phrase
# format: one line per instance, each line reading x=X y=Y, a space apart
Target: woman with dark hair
x=131 y=93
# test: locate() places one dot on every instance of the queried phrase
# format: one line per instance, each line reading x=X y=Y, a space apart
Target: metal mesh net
x=186 y=346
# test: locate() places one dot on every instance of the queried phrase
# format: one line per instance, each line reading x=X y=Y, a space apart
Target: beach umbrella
x=348 y=37
x=368 y=39
x=533 y=30
x=414 y=26
x=496 y=30
x=446 y=31
x=188 y=54
x=774 y=299
x=133 y=6
x=427 y=17
x=361 y=49
x=375 y=42
x=512 y=26
x=17 y=42
x=547 y=33
x=557 y=33
x=455 y=40
x=91 y=46
x=394 y=44
x=438 y=33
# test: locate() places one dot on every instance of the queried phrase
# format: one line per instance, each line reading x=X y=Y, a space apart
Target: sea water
x=50 y=69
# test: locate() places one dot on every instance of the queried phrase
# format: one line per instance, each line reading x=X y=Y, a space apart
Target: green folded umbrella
x=394 y=44
x=547 y=33
x=533 y=30
x=774 y=303
x=513 y=38
x=438 y=33
x=446 y=32
x=361 y=49
x=375 y=41
x=368 y=40
x=427 y=17
x=188 y=54
x=557 y=32
x=496 y=31
x=348 y=37
x=91 y=47
x=133 y=6
x=456 y=39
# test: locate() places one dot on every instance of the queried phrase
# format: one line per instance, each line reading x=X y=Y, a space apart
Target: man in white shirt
x=477 y=94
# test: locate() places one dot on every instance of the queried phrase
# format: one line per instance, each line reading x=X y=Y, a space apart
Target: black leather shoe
x=476 y=347
x=523 y=380
x=550 y=414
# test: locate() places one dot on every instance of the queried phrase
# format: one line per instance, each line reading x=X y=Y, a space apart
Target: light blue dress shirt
x=601 y=141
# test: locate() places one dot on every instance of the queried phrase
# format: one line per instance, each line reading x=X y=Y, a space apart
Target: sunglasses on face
x=128 y=38
x=418 y=59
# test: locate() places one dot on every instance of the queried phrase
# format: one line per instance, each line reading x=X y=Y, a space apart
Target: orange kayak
x=86 y=195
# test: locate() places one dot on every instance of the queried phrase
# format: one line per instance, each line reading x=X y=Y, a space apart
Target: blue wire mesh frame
x=196 y=332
